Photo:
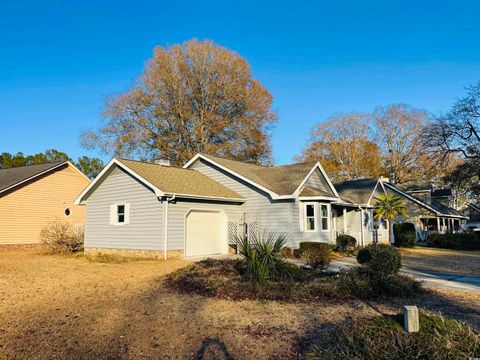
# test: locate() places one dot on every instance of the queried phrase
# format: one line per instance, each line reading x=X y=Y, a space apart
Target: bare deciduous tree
x=343 y=145
x=399 y=128
x=457 y=133
x=194 y=97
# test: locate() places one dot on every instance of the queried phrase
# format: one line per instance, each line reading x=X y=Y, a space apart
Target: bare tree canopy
x=457 y=133
x=399 y=128
x=193 y=97
x=344 y=146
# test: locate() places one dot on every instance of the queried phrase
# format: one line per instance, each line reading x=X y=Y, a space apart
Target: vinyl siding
x=145 y=227
x=279 y=216
x=25 y=210
x=272 y=215
x=355 y=220
x=318 y=181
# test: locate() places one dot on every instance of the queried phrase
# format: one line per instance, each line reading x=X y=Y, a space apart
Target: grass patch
x=106 y=258
x=224 y=279
x=384 y=338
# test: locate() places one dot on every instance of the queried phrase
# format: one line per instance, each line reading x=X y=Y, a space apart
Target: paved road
x=430 y=278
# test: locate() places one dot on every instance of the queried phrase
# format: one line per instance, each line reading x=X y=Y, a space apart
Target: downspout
x=165 y=225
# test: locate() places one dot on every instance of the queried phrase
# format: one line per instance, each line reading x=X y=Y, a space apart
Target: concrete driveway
x=430 y=278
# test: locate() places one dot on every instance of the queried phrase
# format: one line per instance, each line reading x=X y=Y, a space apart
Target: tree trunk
x=390 y=231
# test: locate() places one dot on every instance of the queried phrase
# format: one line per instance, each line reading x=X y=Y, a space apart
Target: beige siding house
x=32 y=196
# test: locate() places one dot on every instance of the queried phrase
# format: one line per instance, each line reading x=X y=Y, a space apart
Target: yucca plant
x=261 y=255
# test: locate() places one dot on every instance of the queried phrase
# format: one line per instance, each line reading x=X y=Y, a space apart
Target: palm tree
x=387 y=207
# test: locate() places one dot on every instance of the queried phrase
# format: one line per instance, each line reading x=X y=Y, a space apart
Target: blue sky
x=59 y=59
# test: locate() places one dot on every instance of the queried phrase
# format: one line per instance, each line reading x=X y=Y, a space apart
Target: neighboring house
x=472 y=211
x=425 y=212
x=32 y=196
x=156 y=210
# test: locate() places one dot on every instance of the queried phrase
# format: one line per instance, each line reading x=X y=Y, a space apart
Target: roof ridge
x=238 y=161
x=153 y=164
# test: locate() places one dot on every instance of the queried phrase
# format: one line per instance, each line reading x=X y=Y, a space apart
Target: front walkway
x=430 y=278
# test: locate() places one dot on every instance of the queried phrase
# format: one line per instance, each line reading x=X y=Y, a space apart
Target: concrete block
x=410 y=319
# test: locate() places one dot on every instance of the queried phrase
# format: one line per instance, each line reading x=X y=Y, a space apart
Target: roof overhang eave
x=205 y=197
x=313 y=198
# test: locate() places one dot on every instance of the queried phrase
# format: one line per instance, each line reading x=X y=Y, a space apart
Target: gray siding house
x=155 y=210
x=424 y=211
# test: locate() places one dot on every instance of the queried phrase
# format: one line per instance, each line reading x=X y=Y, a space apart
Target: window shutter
x=127 y=213
x=113 y=214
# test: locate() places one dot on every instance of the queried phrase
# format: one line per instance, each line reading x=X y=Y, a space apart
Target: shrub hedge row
x=460 y=241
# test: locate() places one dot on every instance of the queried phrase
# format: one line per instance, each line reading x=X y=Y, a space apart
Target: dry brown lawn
x=56 y=307
x=442 y=260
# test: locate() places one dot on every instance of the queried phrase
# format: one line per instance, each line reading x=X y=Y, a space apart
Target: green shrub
x=384 y=338
x=346 y=244
x=378 y=275
x=61 y=237
x=459 y=241
x=316 y=255
x=262 y=257
x=405 y=234
x=380 y=260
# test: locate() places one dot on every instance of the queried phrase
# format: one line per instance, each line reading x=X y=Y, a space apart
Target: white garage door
x=206 y=233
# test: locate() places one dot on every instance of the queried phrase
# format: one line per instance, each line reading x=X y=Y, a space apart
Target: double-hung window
x=119 y=214
x=310 y=217
x=324 y=217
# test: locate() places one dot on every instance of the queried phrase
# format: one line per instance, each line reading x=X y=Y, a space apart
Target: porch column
x=361 y=227
x=438 y=224
x=344 y=220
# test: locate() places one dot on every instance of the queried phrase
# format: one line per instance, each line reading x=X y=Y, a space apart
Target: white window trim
x=322 y=217
x=315 y=217
x=114 y=214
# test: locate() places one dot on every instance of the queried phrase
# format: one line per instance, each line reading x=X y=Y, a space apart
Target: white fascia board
x=315 y=198
x=114 y=161
x=272 y=194
x=366 y=206
x=35 y=176
x=373 y=192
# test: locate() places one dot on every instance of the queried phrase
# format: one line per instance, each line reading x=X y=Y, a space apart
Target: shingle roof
x=356 y=191
x=282 y=180
x=172 y=180
x=415 y=186
x=13 y=176
x=445 y=210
